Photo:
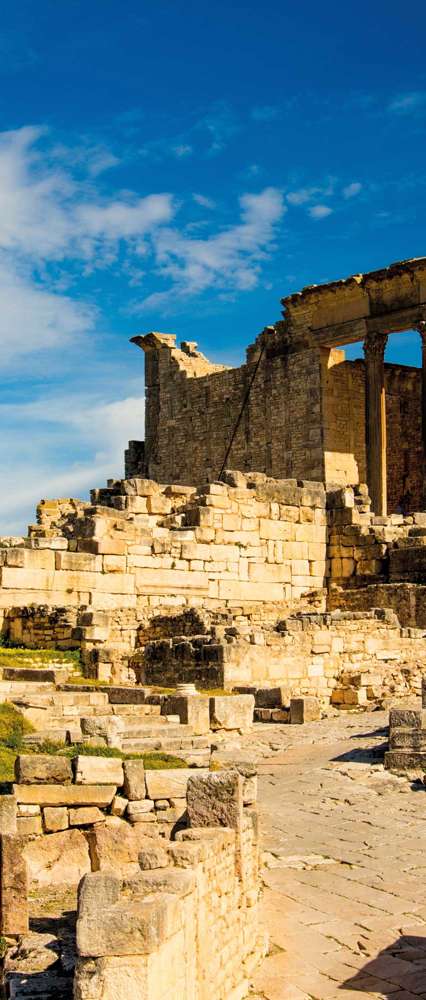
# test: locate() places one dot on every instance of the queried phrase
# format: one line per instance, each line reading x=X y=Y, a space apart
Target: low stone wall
x=157 y=918
x=188 y=927
x=407 y=600
x=41 y=627
x=56 y=795
x=347 y=658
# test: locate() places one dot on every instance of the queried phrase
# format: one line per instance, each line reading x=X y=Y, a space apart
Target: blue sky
x=182 y=166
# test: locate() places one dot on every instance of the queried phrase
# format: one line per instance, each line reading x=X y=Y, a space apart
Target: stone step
x=52 y=675
x=167 y=731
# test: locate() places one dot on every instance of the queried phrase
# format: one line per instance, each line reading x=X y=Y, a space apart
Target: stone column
x=375 y=419
x=422 y=331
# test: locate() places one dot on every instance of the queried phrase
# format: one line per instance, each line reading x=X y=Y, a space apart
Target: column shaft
x=375 y=420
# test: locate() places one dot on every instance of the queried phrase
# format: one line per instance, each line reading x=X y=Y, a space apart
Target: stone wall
x=188 y=927
x=193 y=406
x=346 y=658
x=143 y=550
x=343 y=414
x=157 y=918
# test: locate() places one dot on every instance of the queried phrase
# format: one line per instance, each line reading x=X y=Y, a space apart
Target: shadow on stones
x=52 y=960
x=399 y=970
x=383 y=731
x=363 y=755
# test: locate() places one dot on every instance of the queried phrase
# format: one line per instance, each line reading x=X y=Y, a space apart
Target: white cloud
x=33 y=318
x=47 y=217
x=37 y=432
x=319 y=211
x=351 y=190
x=201 y=199
x=301 y=196
x=229 y=260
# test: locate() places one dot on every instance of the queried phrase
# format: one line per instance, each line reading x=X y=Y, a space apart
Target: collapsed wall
x=217 y=585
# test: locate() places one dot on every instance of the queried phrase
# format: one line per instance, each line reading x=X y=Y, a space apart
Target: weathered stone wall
x=157 y=918
x=188 y=929
x=343 y=657
x=142 y=550
x=41 y=627
x=343 y=412
x=193 y=408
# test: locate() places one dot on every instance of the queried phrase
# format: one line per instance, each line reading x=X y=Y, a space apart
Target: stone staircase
x=129 y=719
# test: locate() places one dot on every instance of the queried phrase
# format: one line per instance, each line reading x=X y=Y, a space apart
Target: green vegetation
x=17 y=656
x=14 y=726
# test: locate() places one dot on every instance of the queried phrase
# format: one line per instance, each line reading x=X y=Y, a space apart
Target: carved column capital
x=375 y=346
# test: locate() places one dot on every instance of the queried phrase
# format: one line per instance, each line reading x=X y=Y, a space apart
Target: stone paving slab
x=344 y=875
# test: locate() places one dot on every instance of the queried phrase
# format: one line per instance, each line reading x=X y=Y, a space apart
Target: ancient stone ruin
x=262 y=561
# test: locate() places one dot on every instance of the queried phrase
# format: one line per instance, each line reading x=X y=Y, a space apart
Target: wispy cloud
x=43 y=431
x=202 y=200
x=351 y=190
x=47 y=217
x=319 y=211
x=230 y=260
x=408 y=103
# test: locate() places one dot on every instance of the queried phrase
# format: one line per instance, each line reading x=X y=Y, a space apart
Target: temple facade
x=297 y=409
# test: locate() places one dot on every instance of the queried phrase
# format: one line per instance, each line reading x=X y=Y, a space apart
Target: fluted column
x=375 y=419
x=422 y=331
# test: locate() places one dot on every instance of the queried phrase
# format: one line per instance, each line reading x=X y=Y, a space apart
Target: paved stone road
x=344 y=866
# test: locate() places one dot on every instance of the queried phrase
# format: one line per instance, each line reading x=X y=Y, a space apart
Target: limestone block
x=111 y=978
x=193 y=710
x=269 y=572
x=170 y=581
x=78 y=562
x=55 y=819
x=8 y=810
x=13 y=886
x=279 y=530
x=115 y=846
x=158 y=504
x=30 y=558
x=98 y=771
x=85 y=816
x=140 y=487
x=134 y=780
x=57 y=859
x=138 y=811
x=241 y=591
x=153 y=857
x=114 y=564
x=215 y=800
x=232 y=712
x=29 y=826
x=128 y=926
x=65 y=795
x=42 y=769
x=304 y=710
x=119 y=805
x=169 y=783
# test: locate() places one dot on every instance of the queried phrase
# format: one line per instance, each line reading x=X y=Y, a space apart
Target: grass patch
x=17 y=656
x=13 y=726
